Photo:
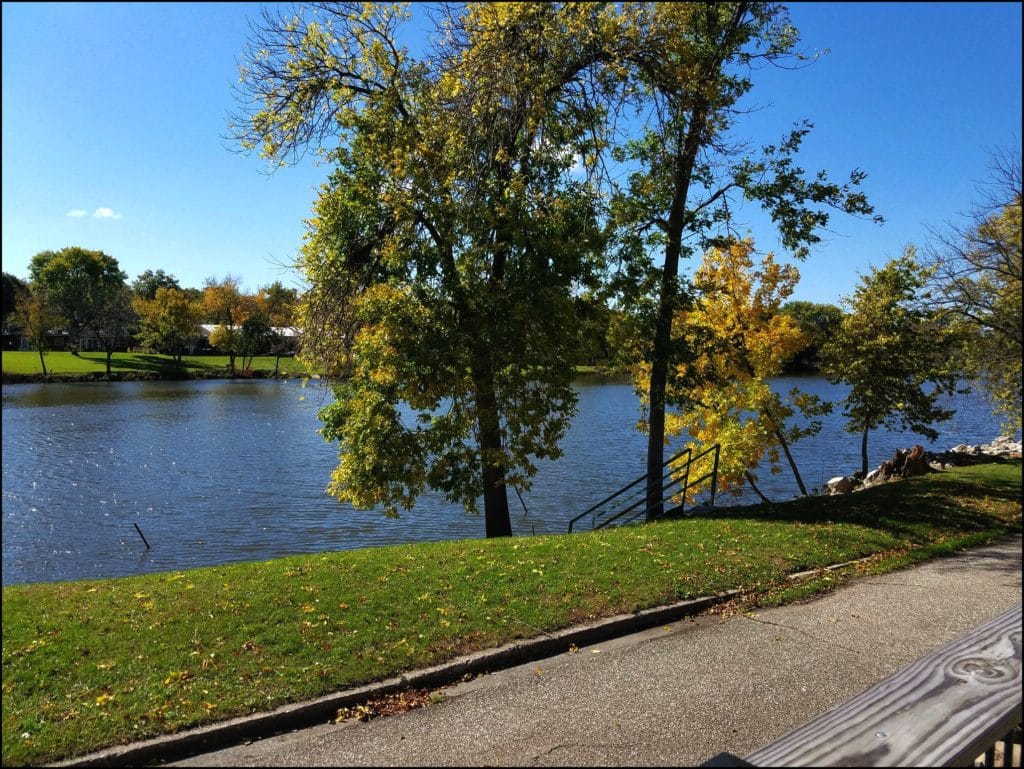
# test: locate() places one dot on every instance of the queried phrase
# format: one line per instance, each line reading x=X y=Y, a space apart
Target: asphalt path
x=678 y=694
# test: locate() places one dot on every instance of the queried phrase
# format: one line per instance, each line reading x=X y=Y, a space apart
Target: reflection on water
x=218 y=471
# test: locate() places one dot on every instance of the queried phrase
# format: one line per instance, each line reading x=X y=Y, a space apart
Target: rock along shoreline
x=917 y=461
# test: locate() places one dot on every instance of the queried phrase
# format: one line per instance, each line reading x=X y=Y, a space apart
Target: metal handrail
x=642 y=501
x=717 y=448
x=684 y=486
x=624 y=489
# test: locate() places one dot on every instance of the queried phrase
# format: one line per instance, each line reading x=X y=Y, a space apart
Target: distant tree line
x=86 y=294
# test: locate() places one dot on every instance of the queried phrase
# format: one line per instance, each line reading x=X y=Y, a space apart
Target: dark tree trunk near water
x=497 y=520
x=689 y=145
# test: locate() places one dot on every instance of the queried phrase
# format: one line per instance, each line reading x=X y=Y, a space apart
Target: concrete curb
x=321 y=710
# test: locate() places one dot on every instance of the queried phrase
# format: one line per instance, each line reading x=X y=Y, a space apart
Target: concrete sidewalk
x=679 y=694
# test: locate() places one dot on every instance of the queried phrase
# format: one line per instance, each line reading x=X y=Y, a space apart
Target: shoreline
x=190 y=375
x=140 y=376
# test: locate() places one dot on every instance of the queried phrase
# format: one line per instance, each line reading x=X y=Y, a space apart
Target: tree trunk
x=110 y=352
x=864 y=452
x=42 y=361
x=789 y=457
x=656 y=419
x=685 y=158
x=497 y=521
x=750 y=480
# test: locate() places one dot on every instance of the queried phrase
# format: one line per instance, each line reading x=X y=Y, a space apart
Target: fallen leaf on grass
x=177 y=675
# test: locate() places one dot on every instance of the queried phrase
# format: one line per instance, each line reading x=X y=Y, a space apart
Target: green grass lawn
x=61 y=364
x=90 y=365
x=93 y=663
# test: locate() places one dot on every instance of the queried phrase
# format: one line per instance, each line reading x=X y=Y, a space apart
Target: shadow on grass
x=906 y=508
x=156 y=364
x=159 y=365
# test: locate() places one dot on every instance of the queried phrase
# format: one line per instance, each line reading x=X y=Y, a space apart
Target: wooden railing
x=947 y=708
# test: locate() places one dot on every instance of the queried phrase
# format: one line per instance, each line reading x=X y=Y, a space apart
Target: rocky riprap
x=917 y=461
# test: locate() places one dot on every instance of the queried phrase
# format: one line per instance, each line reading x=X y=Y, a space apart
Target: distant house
x=57 y=339
x=286 y=342
x=11 y=338
x=288 y=339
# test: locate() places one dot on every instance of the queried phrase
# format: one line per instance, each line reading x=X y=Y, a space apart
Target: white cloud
x=77 y=212
x=105 y=213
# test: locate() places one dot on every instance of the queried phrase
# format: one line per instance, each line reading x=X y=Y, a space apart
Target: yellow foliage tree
x=234 y=312
x=722 y=393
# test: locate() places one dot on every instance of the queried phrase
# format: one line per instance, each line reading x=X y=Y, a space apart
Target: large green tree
x=686 y=68
x=892 y=354
x=444 y=249
x=146 y=285
x=79 y=284
x=169 y=321
x=977 y=282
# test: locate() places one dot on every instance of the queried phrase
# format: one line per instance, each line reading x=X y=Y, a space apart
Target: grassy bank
x=63 y=366
x=93 y=663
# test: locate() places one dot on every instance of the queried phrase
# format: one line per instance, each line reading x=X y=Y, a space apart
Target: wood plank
x=943 y=709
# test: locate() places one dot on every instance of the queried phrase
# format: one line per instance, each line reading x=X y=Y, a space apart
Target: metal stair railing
x=594 y=508
x=683 y=483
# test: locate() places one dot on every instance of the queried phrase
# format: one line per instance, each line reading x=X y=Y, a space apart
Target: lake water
x=219 y=471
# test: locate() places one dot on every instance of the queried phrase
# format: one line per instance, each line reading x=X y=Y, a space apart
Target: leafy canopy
x=78 y=283
x=443 y=252
x=723 y=392
x=892 y=355
x=168 y=322
x=976 y=284
x=685 y=69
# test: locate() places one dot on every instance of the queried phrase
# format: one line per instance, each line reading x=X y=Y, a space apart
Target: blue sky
x=115 y=125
